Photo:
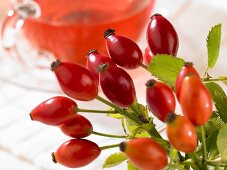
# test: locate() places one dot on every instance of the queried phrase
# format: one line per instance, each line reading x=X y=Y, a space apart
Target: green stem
x=204 y=146
x=109 y=146
x=121 y=111
x=214 y=79
x=94 y=111
x=123 y=126
x=107 y=135
x=143 y=66
x=205 y=72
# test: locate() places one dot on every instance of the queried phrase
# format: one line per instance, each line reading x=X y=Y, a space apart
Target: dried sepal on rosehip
x=162 y=37
x=117 y=85
x=160 y=99
x=76 y=153
x=186 y=69
x=181 y=133
x=54 y=111
x=195 y=100
x=94 y=60
x=75 y=80
x=78 y=127
x=124 y=51
x=145 y=153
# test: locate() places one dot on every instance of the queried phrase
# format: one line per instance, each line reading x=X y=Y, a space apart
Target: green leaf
x=114 y=159
x=213 y=124
x=221 y=139
x=116 y=115
x=219 y=98
x=212 y=145
x=166 y=68
x=131 y=166
x=213 y=45
x=224 y=155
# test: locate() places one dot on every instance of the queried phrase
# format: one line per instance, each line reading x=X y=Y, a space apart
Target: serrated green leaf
x=219 y=98
x=114 y=159
x=213 y=124
x=221 y=139
x=166 y=68
x=131 y=166
x=213 y=45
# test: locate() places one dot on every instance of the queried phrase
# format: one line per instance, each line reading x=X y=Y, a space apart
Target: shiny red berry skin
x=94 y=60
x=182 y=134
x=195 y=100
x=161 y=36
x=124 y=51
x=54 y=111
x=160 y=99
x=76 y=153
x=186 y=69
x=118 y=86
x=147 y=57
x=75 y=80
x=145 y=153
x=78 y=127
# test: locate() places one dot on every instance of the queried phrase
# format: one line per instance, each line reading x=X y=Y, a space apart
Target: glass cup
x=67 y=29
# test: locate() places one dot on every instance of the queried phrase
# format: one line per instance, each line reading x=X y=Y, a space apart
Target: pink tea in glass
x=69 y=28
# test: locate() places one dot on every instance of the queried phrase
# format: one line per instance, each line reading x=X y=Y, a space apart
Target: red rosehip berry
x=76 y=153
x=124 y=51
x=147 y=57
x=94 y=60
x=75 y=80
x=161 y=36
x=78 y=127
x=145 y=153
x=54 y=111
x=181 y=133
x=160 y=99
x=186 y=69
x=195 y=100
x=117 y=85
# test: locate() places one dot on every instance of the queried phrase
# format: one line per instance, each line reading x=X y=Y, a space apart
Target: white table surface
x=26 y=145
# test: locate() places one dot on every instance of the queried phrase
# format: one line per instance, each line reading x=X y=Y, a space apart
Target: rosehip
x=181 y=133
x=94 y=60
x=124 y=51
x=78 y=127
x=75 y=80
x=117 y=85
x=195 y=100
x=160 y=99
x=186 y=69
x=145 y=153
x=147 y=57
x=161 y=36
x=76 y=153
x=54 y=111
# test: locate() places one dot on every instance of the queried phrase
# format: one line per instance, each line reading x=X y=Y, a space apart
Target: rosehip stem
x=94 y=111
x=201 y=128
x=121 y=111
x=214 y=79
x=107 y=135
x=143 y=66
x=109 y=146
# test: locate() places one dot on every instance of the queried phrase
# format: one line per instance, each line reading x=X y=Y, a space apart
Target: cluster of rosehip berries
x=82 y=83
